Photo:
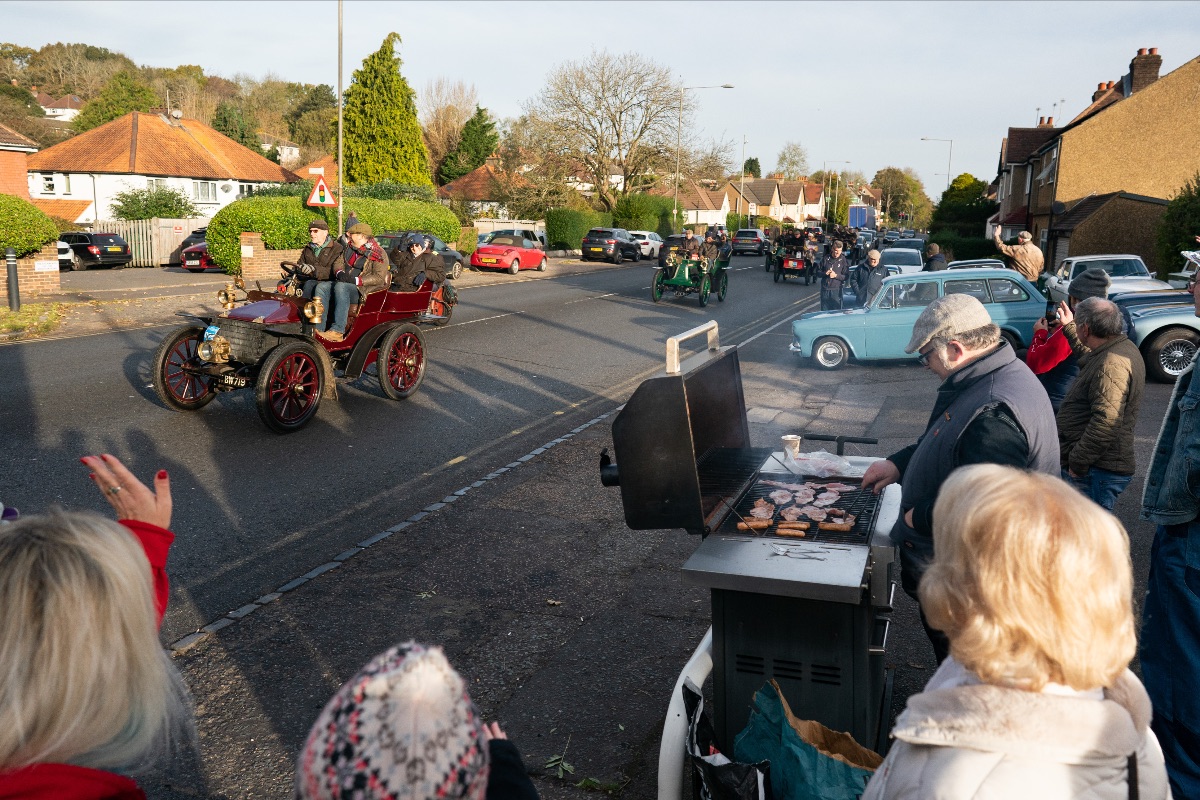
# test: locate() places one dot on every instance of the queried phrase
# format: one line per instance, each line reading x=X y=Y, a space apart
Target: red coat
x=1047 y=350
x=67 y=782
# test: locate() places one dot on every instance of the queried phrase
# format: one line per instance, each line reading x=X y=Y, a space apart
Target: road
x=523 y=361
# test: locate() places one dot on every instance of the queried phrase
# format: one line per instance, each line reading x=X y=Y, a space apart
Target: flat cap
x=948 y=317
x=318 y=224
x=360 y=227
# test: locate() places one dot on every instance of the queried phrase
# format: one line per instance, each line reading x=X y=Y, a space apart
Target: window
x=204 y=191
x=886 y=297
x=156 y=183
x=47 y=184
x=916 y=294
x=1006 y=291
x=976 y=288
x=1116 y=267
x=66 y=184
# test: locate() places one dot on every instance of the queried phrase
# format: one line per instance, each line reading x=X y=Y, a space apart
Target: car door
x=1015 y=307
x=891 y=317
x=1057 y=282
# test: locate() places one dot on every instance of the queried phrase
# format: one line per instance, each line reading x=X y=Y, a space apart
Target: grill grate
x=862 y=503
x=724 y=473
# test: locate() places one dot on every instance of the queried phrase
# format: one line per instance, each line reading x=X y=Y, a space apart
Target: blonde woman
x=88 y=697
x=1032 y=584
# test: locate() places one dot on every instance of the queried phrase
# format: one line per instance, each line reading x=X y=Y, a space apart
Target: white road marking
x=596 y=297
x=482 y=319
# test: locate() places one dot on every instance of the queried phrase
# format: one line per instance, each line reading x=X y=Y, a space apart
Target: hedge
x=283 y=222
x=566 y=227
x=23 y=226
x=646 y=212
x=961 y=248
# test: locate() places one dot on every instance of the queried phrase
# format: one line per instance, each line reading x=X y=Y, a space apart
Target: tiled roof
x=812 y=193
x=146 y=144
x=326 y=163
x=790 y=192
x=44 y=100
x=761 y=191
x=1017 y=217
x=70 y=101
x=1090 y=205
x=1024 y=142
x=478 y=185
x=1102 y=102
x=11 y=140
x=63 y=209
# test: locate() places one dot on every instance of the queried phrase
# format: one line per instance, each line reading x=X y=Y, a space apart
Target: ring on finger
x=113 y=490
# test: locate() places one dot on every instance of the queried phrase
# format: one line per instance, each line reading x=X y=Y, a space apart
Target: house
x=64 y=109
x=325 y=166
x=1116 y=222
x=148 y=150
x=1136 y=140
x=814 y=205
x=289 y=152
x=14 y=151
x=480 y=189
x=791 y=202
x=1014 y=177
x=700 y=206
x=763 y=194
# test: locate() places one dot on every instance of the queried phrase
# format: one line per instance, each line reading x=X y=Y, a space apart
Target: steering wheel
x=292 y=269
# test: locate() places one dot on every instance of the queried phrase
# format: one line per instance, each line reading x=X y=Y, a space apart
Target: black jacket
x=935 y=263
x=327 y=263
x=507 y=778
x=841 y=269
x=405 y=268
x=870 y=281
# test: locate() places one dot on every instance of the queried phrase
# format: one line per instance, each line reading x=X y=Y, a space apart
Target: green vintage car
x=692 y=275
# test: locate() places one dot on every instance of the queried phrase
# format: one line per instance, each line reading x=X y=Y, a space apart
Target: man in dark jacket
x=1098 y=415
x=690 y=245
x=990 y=409
x=321 y=258
x=934 y=260
x=413 y=262
x=870 y=278
x=834 y=271
x=708 y=250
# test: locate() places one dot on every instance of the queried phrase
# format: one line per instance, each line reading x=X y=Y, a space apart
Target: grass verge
x=34 y=319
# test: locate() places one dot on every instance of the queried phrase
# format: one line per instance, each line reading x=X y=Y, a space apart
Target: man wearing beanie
x=1098 y=415
x=1053 y=355
x=1027 y=259
x=404 y=728
x=990 y=409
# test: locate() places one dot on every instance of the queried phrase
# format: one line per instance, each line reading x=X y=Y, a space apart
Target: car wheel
x=830 y=353
x=456 y=271
x=1013 y=340
x=288 y=391
x=1169 y=353
x=617 y=255
x=637 y=255
x=514 y=267
x=541 y=267
x=722 y=286
x=402 y=361
x=778 y=274
x=78 y=264
x=656 y=286
x=705 y=289
x=179 y=389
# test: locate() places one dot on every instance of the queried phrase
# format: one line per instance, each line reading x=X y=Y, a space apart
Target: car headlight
x=314 y=310
x=216 y=350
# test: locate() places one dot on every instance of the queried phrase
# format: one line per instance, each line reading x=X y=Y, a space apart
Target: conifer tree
x=382 y=138
x=125 y=92
x=229 y=120
x=477 y=141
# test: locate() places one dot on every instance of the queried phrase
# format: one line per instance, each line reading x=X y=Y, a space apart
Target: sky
x=851 y=81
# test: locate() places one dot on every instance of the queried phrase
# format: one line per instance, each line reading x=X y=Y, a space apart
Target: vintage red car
x=197 y=259
x=512 y=253
x=266 y=341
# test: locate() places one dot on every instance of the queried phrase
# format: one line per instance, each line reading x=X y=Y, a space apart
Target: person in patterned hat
x=404 y=728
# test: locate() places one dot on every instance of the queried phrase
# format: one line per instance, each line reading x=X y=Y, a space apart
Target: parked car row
x=94 y=249
x=610 y=244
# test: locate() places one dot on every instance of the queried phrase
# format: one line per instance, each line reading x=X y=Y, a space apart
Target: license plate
x=210 y=332
x=113 y=249
x=596 y=249
x=235 y=381
x=488 y=260
x=192 y=263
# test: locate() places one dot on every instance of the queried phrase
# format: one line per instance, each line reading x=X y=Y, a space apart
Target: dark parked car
x=97 y=250
x=750 y=240
x=453 y=258
x=194 y=238
x=611 y=244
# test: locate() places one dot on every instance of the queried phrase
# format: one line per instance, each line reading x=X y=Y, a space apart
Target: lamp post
x=949 y=158
x=742 y=187
x=825 y=190
x=679 y=143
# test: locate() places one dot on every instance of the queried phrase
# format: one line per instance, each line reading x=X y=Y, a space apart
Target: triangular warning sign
x=321 y=196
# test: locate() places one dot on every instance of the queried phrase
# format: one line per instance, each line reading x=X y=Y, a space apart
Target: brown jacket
x=1027 y=259
x=1097 y=417
x=327 y=263
x=367 y=268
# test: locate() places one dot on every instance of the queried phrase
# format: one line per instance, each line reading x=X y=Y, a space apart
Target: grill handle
x=840 y=440
x=608 y=470
x=714 y=343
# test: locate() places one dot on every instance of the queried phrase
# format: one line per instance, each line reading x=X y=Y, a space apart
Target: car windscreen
x=1116 y=267
x=901 y=257
x=746 y=234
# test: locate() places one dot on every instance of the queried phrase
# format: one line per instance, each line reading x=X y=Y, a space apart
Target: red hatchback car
x=512 y=253
x=196 y=258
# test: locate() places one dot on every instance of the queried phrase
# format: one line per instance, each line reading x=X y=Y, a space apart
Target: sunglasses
x=923 y=358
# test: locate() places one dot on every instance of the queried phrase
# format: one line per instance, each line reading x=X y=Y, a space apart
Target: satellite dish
x=177 y=114
x=226 y=187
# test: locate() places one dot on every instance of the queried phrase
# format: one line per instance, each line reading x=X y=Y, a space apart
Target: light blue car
x=1165 y=327
x=882 y=330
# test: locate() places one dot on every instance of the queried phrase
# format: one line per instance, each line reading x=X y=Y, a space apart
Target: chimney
x=1101 y=88
x=1143 y=69
x=33 y=89
x=1049 y=122
x=1041 y=122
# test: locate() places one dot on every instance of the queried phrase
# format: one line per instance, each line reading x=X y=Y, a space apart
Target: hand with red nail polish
x=128 y=496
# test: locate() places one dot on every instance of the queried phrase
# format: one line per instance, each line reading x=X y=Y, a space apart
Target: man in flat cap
x=990 y=409
x=1026 y=257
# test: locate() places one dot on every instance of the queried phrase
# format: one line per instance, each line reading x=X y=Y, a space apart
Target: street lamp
x=742 y=188
x=948 y=158
x=679 y=143
x=825 y=183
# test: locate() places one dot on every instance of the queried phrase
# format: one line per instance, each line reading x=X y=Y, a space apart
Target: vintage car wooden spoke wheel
x=722 y=286
x=656 y=286
x=289 y=386
x=178 y=387
x=402 y=361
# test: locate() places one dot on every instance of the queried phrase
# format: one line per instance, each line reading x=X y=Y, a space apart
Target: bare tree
x=709 y=161
x=613 y=114
x=443 y=108
x=792 y=161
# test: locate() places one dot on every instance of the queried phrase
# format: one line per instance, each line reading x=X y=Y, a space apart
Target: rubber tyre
x=722 y=286
x=778 y=274
x=442 y=321
x=637 y=255
x=1012 y=340
x=618 y=256
x=541 y=267
x=830 y=352
x=288 y=391
x=705 y=289
x=656 y=285
x=770 y=264
x=176 y=389
x=456 y=271
x=1169 y=353
x=78 y=264
x=514 y=267
x=402 y=361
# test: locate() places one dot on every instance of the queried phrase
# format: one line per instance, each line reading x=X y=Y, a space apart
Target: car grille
x=247 y=342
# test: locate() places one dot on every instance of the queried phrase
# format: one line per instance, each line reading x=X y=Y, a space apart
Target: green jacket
x=1097 y=417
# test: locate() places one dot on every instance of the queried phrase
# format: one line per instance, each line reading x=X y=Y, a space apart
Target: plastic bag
x=808 y=760
x=719 y=778
x=823 y=464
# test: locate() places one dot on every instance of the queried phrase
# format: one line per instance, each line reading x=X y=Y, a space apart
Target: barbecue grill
x=808 y=612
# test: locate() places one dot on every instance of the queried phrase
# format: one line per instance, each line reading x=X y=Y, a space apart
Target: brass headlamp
x=314 y=311
x=216 y=350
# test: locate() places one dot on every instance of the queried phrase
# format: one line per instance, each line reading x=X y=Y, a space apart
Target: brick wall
x=261 y=264
x=30 y=282
x=1120 y=226
x=14 y=178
